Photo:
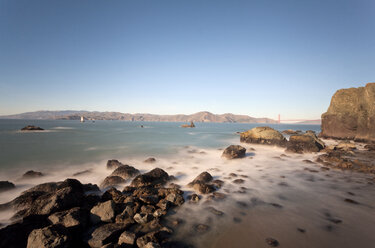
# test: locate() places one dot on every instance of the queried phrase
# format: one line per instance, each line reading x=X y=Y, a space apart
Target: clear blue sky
x=259 y=58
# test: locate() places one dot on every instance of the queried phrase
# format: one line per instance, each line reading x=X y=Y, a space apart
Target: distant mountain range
x=197 y=117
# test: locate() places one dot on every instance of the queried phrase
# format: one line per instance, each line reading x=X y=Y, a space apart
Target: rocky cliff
x=351 y=114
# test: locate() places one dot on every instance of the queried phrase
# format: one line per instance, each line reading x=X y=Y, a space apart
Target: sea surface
x=281 y=196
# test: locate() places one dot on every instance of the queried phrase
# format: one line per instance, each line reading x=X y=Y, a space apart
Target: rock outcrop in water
x=351 y=114
x=189 y=125
x=307 y=142
x=263 y=135
x=6 y=185
x=32 y=128
x=234 y=151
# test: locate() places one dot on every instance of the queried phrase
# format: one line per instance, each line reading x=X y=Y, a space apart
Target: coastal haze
x=187 y=124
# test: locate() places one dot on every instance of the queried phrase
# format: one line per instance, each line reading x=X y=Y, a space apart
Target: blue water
x=74 y=143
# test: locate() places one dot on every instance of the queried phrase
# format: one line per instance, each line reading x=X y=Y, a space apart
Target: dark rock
x=111 y=181
x=204 y=188
x=90 y=187
x=108 y=233
x=70 y=218
x=272 y=242
x=49 y=237
x=263 y=135
x=204 y=177
x=201 y=228
x=304 y=143
x=215 y=211
x=15 y=235
x=301 y=230
x=79 y=173
x=151 y=178
x=32 y=128
x=150 y=160
x=351 y=114
x=114 y=195
x=103 y=212
x=234 y=151
x=238 y=181
x=351 y=201
x=370 y=147
x=32 y=174
x=6 y=185
x=125 y=171
x=113 y=164
x=194 y=198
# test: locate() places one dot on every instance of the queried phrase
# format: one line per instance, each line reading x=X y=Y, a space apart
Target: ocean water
x=279 y=194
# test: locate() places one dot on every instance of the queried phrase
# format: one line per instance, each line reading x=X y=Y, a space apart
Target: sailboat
x=82 y=119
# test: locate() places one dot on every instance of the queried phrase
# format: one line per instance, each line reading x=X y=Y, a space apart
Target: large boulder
x=75 y=217
x=15 y=235
x=304 y=143
x=234 y=151
x=151 y=178
x=112 y=181
x=125 y=171
x=32 y=174
x=263 y=135
x=202 y=183
x=113 y=164
x=48 y=198
x=54 y=236
x=103 y=212
x=6 y=185
x=108 y=233
x=351 y=114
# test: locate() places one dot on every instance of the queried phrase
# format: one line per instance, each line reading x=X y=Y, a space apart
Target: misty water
x=282 y=197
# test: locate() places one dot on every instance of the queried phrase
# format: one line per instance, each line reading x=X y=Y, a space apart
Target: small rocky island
x=32 y=128
x=188 y=125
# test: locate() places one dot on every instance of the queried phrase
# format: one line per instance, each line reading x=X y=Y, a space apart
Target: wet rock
x=111 y=181
x=150 y=160
x=152 y=245
x=204 y=188
x=69 y=194
x=114 y=195
x=143 y=218
x=290 y=132
x=234 y=151
x=370 y=147
x=238 y=181
x=154 y=177
x=125 y=171
x=304 y=143
x=204 y=177
x=263 y=135
x=70 y=218
x=346 y=146
x=307 y=161
x=6 y=185
x=32 y=128
x=49 y=237
x=16 y=235
x=351 y=201
x=113 y=164
x=80 y=173
x=103 y=212
x=201 y=228
x=108 y=233
x=217 y=183
x=272 y=242
x=90 y=187
x=127 y=238
x=32 y=174
x=217 y=196
x=194 y=198
x=215 y=211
